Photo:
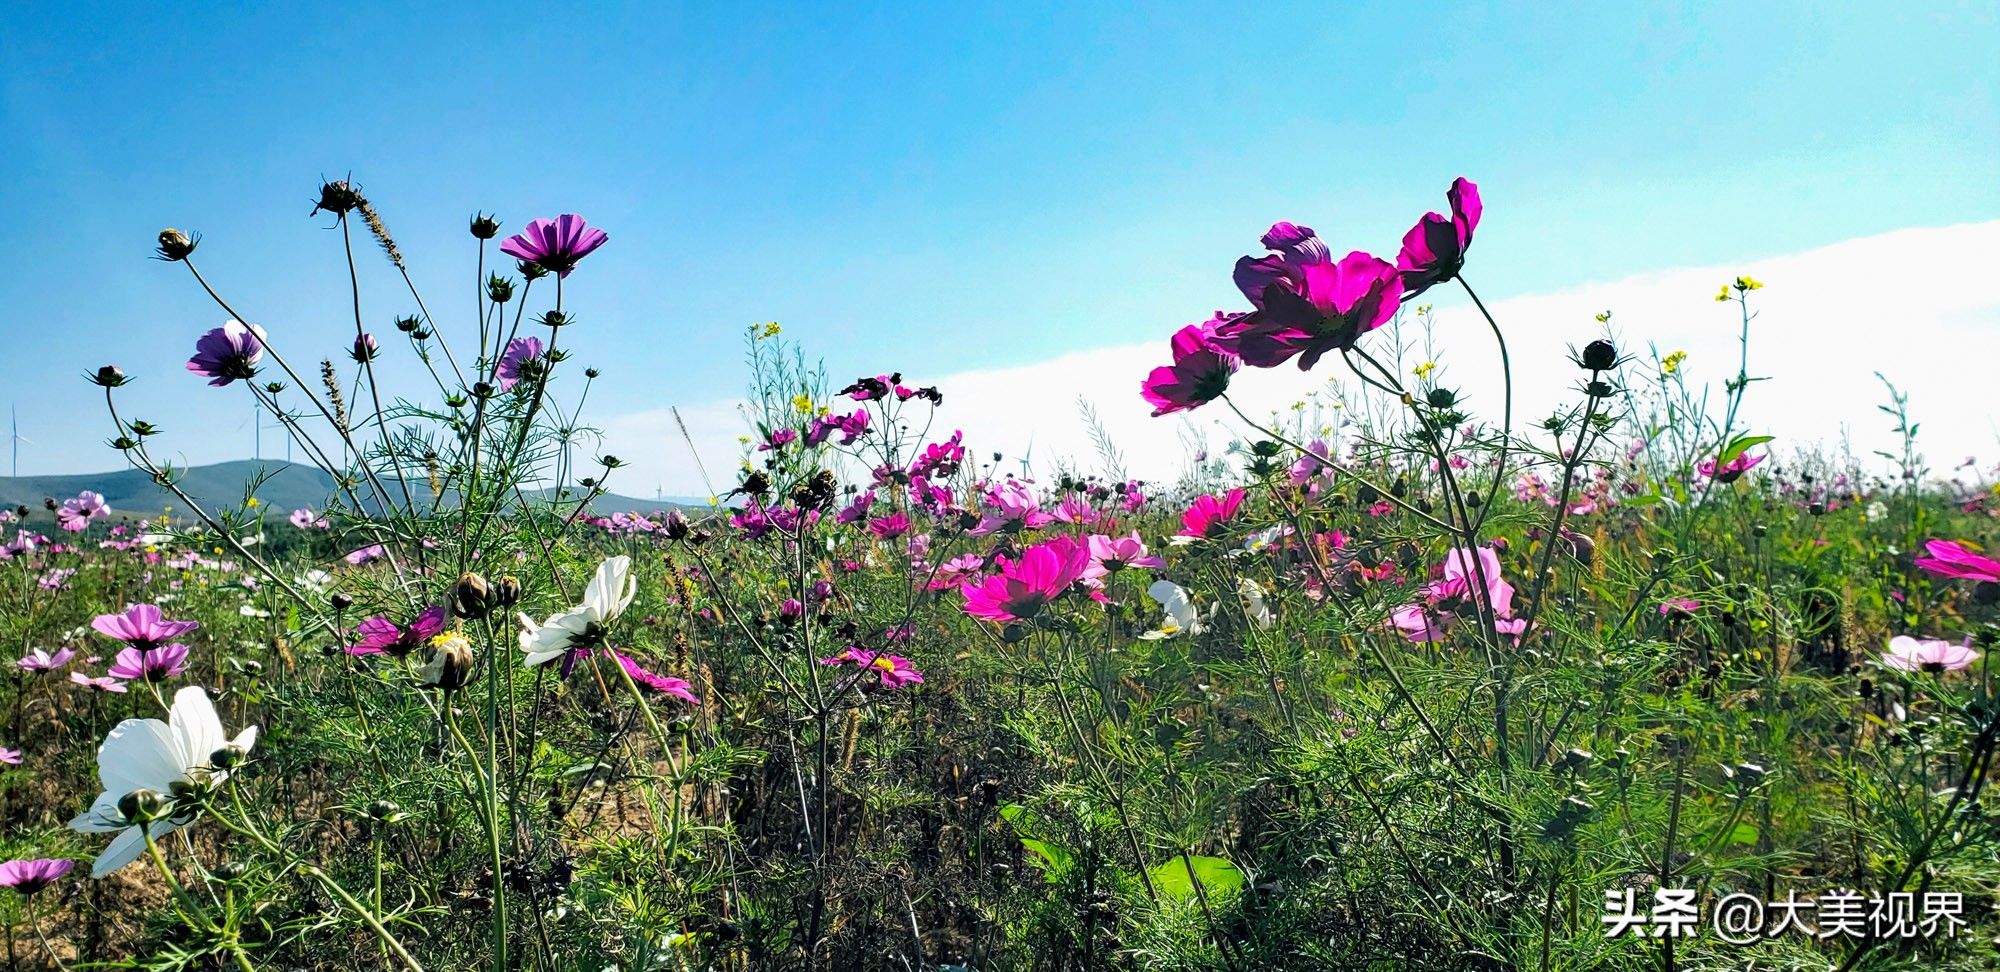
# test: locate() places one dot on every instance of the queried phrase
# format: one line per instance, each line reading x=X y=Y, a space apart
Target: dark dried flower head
x=338 y=197
x=176 y=245
x=1599 y=356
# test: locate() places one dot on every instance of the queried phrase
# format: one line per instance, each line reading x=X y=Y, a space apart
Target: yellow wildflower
x=1424 y=370
x=1748 y=283
x=1672 y=363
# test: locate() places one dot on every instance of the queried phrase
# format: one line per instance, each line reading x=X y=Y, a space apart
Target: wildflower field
x=1395 y=681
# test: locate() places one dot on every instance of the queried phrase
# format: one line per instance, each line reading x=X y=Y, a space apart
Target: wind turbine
x=14 y=414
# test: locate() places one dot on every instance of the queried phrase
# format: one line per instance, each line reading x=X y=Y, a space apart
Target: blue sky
x=924 y=190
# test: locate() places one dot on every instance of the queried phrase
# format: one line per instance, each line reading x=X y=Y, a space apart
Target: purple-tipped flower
x=1200 y=372
x=555 y=245
x=228 y=353
x=30 y=876
x=364 y=348
x=379 y=635
x=1307 y=304
x=149 y=664
x=1434 y=249
x=39 y=660
x=142 y=626
x=519 y=352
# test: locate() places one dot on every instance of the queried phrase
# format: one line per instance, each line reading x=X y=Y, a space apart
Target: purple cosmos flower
x=889 y=527
x=379 y=635
x=102 y=683
x=142 y=626
x=1928 y=654
x=366 y=555
x=149 y=664
x=1951 y=558
x=364 y=348
x=39 y=660
x=1434 y=249
x=30 y=876
x=228 y=353
x=1679 y=605
x=555 y=245
x=76 y=514
x=1306 y=303
x=1200 y=372
x=519 y=352
x=895 y=670
x=665 y=684
x=11 y=757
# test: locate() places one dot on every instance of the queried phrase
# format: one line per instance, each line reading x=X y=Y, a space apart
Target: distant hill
x=287 y=487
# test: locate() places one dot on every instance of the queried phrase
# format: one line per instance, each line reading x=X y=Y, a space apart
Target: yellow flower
x=252 y=501
x=1298 y=406
x=1604 y=318
x=1724 y=295
x=1672 y=363
x=1424 y=370
x=1748 y=283
x=802 y=403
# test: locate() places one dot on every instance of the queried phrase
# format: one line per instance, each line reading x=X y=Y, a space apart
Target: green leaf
x=1738 y=446
x=1175 y=878
x=1742 y=833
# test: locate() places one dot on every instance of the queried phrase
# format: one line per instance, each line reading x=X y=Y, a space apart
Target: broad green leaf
x=1738 y=446
x=1175 y=878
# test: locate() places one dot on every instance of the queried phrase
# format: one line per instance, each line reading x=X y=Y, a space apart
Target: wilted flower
x=228 y=353
x=448 y=664
x=555 y=245
x=664 y=684
x=1679 y=605
x=11 y=757
x=160 y=757
x=1928 y=654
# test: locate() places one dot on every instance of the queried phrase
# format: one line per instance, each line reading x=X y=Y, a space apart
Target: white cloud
x=1907 y=304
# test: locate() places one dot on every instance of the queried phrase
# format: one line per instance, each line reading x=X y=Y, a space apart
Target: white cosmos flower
x=1182 y=618
x=610 y=590
x=1253 y=603
x=147 y=754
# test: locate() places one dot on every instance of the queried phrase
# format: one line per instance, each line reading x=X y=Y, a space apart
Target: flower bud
x=141 y=806
x=472 y=596
x=229 y=871
x=341 y=602
x=499 y=289
x=109 y=376
x=407 y=324
x=1441 y=398
x=228 y=757
x=449 y=665
x=484 y=227
x=1599 y=356
x=530 y=270
x=176 y=245
x=507 y=592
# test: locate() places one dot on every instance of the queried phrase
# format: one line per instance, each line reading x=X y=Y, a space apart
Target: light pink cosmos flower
x=30 y=876
x=1449 y=596
x=11 y=757
x=1928 y=654
x=1020 y=590
x=102 y=683
x=76 y=514
x=305 y=519
x=39 y=660
x=895 y=670
x=366 y=555
x=1117 y=553
x=1208 y=516
x=142 y=626
x=1953 y=558
x=1012 y=506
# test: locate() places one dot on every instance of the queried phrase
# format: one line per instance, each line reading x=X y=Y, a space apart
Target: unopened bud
x=472 y=596
x=141 y=806
x=484 y=227
x=1599 y=356
x=176 y=245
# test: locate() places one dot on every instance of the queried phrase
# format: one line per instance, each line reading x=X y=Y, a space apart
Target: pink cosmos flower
x=957 y=571
x=1075 y=508
x=379 y=635
x=11 y=757
x=1200 y=372
x=39 y=660
x=142 y=626
x=102 y=683
x=305 y=519
x=664 y=684
x=515 y=359
x=76 y=514
x=1928 y=654
x=895 y=670
x=1023 y=588
x=1730 y=471
x=1118 y=553
x=149 y=664
x=555 y=245
x=366 y=555
x=1306 y=303
x=30 y=876
x=1434 y=249
x=1449 y=596
x=1951 y=558
x=1208 y=516
x=889 y=527
x=1013 y=507
x=1679 y=605
x=1313 y=462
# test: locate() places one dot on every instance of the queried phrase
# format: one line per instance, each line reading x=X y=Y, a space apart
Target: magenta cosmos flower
x=1022 y=588
x=1307 y=304
x=1730 y=471
x=1434 y=249
x=1679 y=605
x=142 y=626
x=1951 y=558
x=149 y=664
x=379 y=635
x=1928 y=654
x=1117 y=553
x=1208 y=516
x=664 y=684
x=228 y=353
x=30 y=876
x=555 y=245
x=895 y=670
x=1200 y=372
x=519 y=352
